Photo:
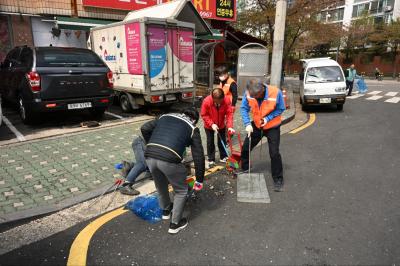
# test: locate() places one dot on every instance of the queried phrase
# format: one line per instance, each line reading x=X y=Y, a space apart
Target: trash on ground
x=146 y=207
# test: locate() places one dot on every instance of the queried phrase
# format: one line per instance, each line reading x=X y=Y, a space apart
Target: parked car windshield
x=60 y=57
x=324 y=74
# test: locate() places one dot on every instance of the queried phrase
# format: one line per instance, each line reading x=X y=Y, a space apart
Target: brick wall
x=22 y=31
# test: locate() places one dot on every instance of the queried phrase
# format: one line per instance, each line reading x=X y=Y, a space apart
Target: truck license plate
x=79 y=105
x=170 y=97
x=325 y=100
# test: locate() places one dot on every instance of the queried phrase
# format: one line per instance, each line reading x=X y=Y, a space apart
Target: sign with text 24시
x=208 y=9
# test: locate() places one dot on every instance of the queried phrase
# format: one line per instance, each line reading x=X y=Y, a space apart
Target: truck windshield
x=66 y=57
x=324 y=74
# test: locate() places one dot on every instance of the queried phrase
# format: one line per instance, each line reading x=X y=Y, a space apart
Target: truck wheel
x=340 y=107
x=27 y=115
x=125 y=103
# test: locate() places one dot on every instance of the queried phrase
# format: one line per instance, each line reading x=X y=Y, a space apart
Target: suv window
x=26 y=57
x=68 y=57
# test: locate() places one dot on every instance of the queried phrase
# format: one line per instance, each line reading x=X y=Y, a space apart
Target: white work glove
x=214 y=127
x=264 y=121
x=249 y=130
x=231 y=131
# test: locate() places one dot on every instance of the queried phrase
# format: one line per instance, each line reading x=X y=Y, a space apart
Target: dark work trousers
x=211 y=144
x=274 y=136
x=349 y=86
x=165 y=173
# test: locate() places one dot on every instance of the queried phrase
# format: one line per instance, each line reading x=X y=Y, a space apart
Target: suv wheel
x=27 y=115
x=98 y=112
x=340 y=107
x=125 y=103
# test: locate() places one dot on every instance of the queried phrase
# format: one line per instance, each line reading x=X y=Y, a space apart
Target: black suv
x=46 y=79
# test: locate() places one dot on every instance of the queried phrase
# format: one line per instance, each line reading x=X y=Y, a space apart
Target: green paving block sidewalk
x=46 y=175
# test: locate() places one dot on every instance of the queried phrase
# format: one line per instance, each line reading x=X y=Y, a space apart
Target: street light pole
x=279 y=37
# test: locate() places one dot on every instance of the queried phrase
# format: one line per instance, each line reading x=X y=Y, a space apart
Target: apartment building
x=380 y=10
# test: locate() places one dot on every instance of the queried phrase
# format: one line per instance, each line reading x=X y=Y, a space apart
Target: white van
x=322 y=82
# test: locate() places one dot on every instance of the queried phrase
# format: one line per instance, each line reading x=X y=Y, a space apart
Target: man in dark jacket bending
x=167 y=139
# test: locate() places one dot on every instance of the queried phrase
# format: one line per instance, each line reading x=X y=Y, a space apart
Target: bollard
x=285 y=98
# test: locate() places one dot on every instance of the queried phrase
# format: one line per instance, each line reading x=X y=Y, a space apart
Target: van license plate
x=325 y=100
x=170 y=97
x=79 y=105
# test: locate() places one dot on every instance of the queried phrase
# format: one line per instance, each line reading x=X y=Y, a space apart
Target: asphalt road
x=340 y=206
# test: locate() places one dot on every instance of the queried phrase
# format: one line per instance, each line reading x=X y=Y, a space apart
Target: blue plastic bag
x=146 y=207
x=362 y=87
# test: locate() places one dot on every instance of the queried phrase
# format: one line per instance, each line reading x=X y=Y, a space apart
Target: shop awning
x=215 y=35
x=181 y=10
x=80 y=23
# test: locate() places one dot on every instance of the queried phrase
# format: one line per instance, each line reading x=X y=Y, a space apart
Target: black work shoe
x=126 y=167
x=166 y=214
x=278 y=185
x=243 y=171
x=175 y=228
x=128 y=190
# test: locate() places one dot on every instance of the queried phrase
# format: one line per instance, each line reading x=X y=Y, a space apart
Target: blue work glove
x=198 y=186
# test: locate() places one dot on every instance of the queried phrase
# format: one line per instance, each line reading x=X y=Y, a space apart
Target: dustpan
x=251 y=187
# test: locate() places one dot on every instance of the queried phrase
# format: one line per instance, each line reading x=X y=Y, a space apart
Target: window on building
x=374 y=7
x=359 y=10
x=335 y=15
x=389 y=3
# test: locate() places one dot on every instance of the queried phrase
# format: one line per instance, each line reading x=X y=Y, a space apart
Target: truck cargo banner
x=133 y=48
x=181 y=43
x=209 y=9
x=157 y=51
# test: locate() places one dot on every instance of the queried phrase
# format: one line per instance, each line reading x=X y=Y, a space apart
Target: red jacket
x=213 y=115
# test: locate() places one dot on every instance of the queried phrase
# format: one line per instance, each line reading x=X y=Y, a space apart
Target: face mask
x=222 y=78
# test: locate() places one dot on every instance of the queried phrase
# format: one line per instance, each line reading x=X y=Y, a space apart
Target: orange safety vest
x=226 y=88
x=267 y=106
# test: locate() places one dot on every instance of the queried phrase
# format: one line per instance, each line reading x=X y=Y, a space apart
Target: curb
x=31 y=213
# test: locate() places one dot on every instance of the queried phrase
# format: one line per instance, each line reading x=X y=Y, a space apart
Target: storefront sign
x=208 y=9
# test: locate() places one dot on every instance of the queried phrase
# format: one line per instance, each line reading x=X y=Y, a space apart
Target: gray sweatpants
x=165 y=173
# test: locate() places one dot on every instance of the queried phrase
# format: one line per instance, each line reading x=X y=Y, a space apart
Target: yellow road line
x=310 y=121
x=78 y=252
x=80 y=246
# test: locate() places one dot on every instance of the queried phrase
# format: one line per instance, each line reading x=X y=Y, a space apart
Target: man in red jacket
x=217 y=114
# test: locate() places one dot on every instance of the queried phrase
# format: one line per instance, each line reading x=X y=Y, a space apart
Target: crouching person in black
x=167 y=138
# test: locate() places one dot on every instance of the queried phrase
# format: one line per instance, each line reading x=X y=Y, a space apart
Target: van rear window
x=66 y=57
x=324 y=74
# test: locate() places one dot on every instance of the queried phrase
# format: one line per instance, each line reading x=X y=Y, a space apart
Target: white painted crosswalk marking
x=374 y=92
x=374 y=98
x=391 y=94
x=393 y=100
x=355 y=96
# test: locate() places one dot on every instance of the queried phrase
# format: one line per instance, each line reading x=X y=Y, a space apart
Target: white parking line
x=374 y=92
x=393 y=100
x=114 y=115
x=354 y=96
x=391 y=93
x=18 y=134
x=374 y=98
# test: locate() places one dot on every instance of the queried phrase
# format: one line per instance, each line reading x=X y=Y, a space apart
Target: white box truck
x=152 y=59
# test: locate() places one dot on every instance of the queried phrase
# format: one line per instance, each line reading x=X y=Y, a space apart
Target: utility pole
x=279 y=38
